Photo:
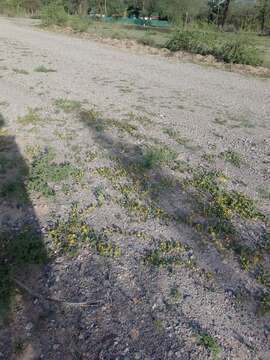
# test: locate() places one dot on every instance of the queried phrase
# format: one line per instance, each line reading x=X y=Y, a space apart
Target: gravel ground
x=91 y=111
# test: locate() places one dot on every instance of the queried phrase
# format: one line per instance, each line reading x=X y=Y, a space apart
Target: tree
x=263 y=13
x=181 y=10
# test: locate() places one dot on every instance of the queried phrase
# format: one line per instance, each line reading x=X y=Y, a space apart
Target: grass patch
x=20 y=71
x=243 y=121
x=43 y=69
x=31 y=117
x=71 y=234
x=22 y=248
x=264 y=304
x=221 y=206
x=44 y=171
x=232 y=157
x=14 y=189
x=238 y=50
x=67 y=106
x=156 y=156
x=211 y=344
x=167 y=255
x=176 y=136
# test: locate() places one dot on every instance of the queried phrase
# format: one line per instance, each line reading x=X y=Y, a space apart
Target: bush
x=79 y=24
x=194 y=41
x=237 y=51
x=53 y=14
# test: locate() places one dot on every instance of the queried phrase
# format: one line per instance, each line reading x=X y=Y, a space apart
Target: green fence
x=138 y=22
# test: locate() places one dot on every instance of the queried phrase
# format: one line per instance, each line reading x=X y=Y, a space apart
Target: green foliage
x=20 y=71
x=264 y=305
x=53 y=14
x=71 y=234
x=79 y=24
x=224 y=204
x=157 y=155
x=43 y=69
x=234 y=50
x=44 y=171
x=238 y=51
x=17 y=249
x=67 y=105
x=31 y=117
x=232 y=157
x=211 y=344
x=168 y=254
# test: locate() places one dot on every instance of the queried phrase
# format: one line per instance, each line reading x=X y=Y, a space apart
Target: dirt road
x=86 y=122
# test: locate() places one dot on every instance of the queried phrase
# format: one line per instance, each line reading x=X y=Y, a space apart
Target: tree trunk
x=263 y=11
x=225 y=12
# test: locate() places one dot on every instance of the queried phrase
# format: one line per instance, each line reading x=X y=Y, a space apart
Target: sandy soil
x=97 y=109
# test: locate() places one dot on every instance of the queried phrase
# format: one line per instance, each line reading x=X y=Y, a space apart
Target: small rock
x=29 y=326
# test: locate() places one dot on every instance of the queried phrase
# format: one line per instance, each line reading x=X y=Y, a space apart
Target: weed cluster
x=44 y=171
x=234 y=50
x=71 y=234
x=169 y=254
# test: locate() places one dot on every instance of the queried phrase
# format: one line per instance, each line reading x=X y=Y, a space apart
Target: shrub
x=239 y=51
x=193 y=41
x=157 y=156
x=79 y=24
x=53 y=14
x=232 y=50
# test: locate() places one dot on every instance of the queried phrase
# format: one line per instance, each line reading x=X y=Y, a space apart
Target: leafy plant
x=157 y=155
x=53 y=14
x=210 y=344
x=234 y=50
x=31 y=117
x=43 y=171
x=67 y=105
x=232 y=157
x=43 y=69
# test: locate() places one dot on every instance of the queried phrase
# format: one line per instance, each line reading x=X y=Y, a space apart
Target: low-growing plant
x=234 y=50
x=43 y=69
x=157 y=155
x=31 y=117
x=264 y=304
x=67 y=105
x=78 y=24
x=53 y=14
x=168 y=254
x=20 y=71
x=44 y=171
x=71 y=234
x=232 y=157
x=210 y=343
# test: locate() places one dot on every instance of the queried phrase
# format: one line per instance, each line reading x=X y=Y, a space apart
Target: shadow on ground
x=21 y=244
x=198 y=212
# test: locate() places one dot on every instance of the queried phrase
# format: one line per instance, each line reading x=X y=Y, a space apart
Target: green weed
x=234 y=50
x=31 y=117
x=71 y=234
x=176 y=135
x=20 y=71
x=17 y=249
x=67 y=105
x=43 y=69
x=168 y=254
x=210 y=343
x=43 y=171
x=232 y=157
x=156 y=156
x=264 y=304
